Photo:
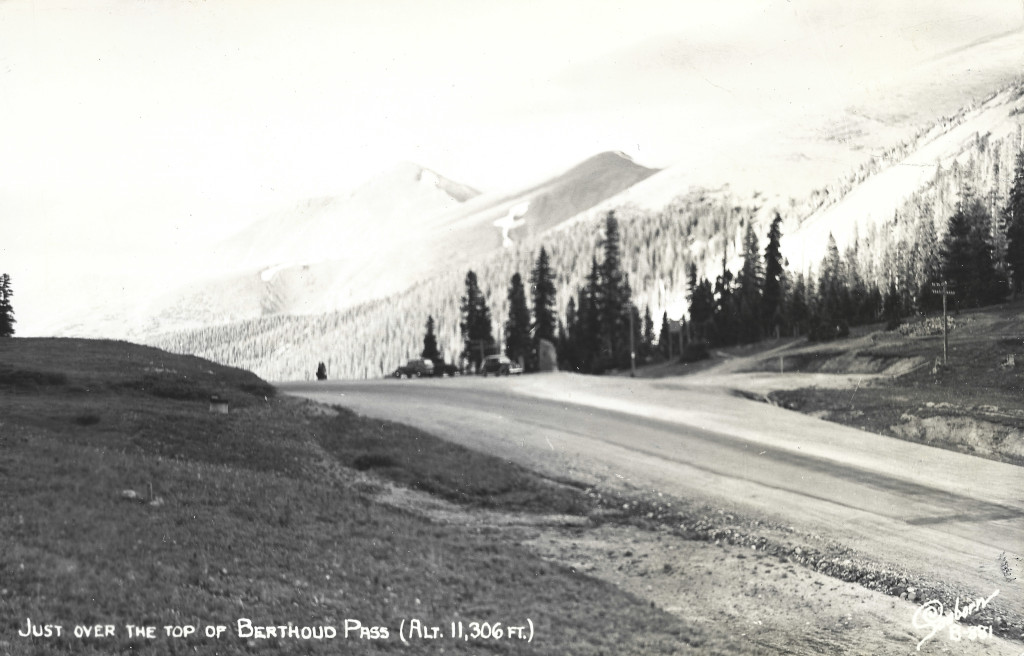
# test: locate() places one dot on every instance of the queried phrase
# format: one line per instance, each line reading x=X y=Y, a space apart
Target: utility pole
x=943 y=289
x=945 y=328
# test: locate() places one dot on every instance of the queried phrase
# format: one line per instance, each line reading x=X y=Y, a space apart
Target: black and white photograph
x=529 y=328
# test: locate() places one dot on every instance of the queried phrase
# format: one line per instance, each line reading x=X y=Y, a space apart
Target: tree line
x=602 y=328
x=980 y=257
x=522 y=332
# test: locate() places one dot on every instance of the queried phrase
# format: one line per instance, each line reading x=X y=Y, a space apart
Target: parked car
x=442 y=368
x=499 y=365
x=415 y=368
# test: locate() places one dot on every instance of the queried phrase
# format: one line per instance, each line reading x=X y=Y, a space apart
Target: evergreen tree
x=584 y=333
x=591 y=330
x=798 y=309
x=636 y=322
x=929 y=262
x=614 y=299
x=967 y=254
x=702 y=310
x=664 y=336
x=6 y=308
x=567 y=359
x=477 y=332
x=859 y=309
x=1013 y=217
x=518 y=346
x=648 y=340
x=830 y=316
x=542 y=284
x=725 y=311
x=691 y=283
x=891 y=311
x=771 y=296
x=430 y=351
x=748 y=290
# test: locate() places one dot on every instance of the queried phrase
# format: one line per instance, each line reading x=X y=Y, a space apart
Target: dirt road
x=950 y=517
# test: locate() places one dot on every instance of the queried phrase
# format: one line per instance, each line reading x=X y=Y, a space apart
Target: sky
x=134 y=130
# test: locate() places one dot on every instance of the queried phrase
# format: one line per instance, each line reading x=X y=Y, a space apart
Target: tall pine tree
x=542 y=286
x=702 y=310
x=477 y=332
x=798 y=312
x=647 y=350
x=584 y=332
x=748 y=292
x=1013 y=217
x=829 y=317
x=567 y=359
x=517 y=329
x=614 y=300
x=664 y=336
x=6 y=308
x=771 y=296
x=967 y=260
x=430 y=351
x=725 y=311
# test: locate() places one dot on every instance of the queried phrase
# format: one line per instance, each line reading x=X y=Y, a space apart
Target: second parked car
x=499 y=365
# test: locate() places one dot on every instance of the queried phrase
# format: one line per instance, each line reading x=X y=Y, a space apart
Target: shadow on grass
x=29 y=380
x=418 y=460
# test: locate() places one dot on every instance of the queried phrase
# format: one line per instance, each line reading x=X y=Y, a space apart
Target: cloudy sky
x=134 y=129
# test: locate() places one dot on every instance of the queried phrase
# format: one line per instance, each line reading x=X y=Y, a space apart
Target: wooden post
x=944 y=289
x=945 y=337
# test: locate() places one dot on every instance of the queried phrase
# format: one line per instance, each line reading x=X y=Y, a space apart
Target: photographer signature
x=930 y=616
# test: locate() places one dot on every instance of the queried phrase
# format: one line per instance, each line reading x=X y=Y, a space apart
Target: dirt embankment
x=995 y=436
x=839 y=362
x=972 y=402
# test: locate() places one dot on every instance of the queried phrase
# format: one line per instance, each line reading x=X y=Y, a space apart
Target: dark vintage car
x=499 y=365
x=442 y=368
x=415 y=368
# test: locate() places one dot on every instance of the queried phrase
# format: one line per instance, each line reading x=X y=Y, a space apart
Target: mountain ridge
x=329 y=253
x=702 y=226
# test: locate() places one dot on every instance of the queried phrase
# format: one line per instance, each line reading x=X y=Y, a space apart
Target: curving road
x=949 y=516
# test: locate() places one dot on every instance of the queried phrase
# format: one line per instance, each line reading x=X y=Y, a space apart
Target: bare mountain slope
x=329 y=254
x=339 y=227
x=881 y=194
x=488 y=222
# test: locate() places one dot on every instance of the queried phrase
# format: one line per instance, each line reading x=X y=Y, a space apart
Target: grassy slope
x=261 y=517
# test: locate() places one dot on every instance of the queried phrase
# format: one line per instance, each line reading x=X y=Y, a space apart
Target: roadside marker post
x=943 y=290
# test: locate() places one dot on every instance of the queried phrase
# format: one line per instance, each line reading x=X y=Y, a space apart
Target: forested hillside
x=371 y=339
x=700 y=228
